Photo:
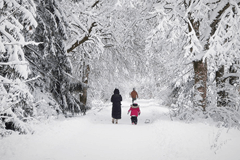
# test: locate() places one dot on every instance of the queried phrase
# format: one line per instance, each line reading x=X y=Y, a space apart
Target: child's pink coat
x=135 y=111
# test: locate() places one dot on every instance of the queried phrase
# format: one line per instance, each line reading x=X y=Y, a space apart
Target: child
x=135 y=111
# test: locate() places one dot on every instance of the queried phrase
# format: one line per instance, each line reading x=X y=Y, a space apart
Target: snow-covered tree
x=210 y=28
x=16 y=102
x=224 y=50
x=84 y=42
x=51 y=61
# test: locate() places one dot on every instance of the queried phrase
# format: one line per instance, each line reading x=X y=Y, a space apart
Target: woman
x=116 y=107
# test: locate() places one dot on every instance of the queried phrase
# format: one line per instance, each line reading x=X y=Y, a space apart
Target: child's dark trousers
x=134 y=119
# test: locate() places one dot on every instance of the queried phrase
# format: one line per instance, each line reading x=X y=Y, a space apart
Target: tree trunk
x=233 y=69
x=83 y=97
x=200 y=73
x=200 y=70
x=221 y=94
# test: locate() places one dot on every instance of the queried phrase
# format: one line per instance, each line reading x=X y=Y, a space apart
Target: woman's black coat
x=116 y=107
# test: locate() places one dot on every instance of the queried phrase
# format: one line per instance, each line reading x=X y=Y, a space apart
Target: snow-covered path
x=94 y=137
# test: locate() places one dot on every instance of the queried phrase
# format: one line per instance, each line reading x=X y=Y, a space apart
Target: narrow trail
x=94 y=137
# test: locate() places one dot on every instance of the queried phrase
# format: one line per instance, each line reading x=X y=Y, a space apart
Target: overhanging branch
x=77 y=43
x=84 y=39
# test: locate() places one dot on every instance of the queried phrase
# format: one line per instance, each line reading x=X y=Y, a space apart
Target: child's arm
x=129 y=109
x=139 y=112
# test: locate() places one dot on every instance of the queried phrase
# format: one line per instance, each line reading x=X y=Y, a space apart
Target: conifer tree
x=16 y=101
x=50 y=58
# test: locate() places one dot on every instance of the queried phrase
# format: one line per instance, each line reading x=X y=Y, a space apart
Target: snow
x=94 y=137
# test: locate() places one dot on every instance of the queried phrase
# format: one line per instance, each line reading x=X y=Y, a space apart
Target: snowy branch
x=23 y=43
x=77 y=43
x=84 y=39
x=95 y=3
x=14 y=63
x=33 y=79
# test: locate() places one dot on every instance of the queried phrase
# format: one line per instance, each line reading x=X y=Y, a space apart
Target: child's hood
x=134 y=105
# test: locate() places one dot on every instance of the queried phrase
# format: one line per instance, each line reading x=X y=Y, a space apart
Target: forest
x=58 y=56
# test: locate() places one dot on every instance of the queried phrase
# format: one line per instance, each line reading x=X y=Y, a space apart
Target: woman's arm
x=112 y=98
